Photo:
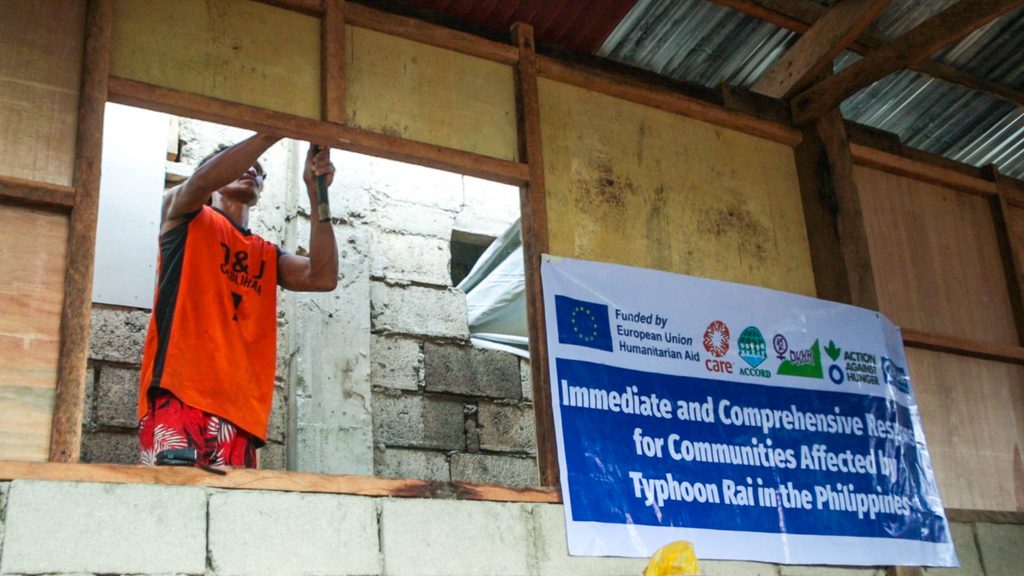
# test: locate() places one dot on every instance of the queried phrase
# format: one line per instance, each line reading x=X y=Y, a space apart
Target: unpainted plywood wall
x=404 y=88
x=40 y=71
x=634 y=185
x=235 y=50
x=938 y=269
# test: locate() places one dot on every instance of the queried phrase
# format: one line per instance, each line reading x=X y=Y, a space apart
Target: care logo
x=582 y=323
x=716 y=339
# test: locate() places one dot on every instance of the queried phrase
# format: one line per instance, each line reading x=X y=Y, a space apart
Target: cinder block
x=277 y=425
x=410 y=258
x=399 y=182
x=472 y=371
x=966 y=551
x=525 y=379
x=1002 y=548
x=553 y=555
x=396 y=363
x=111 y=447
x=273 y=456
x=117 y=335
x=4 y=487
x=418 y=310
x=421 y=464
x=60 y=527
x=478 y=538
x=493 y=469
x=288 y=533
x=418 y=422
x=89 y=405
x=117 y=396
x=420 y=220
x=507 y=428
x=828 y=571
x=488 y=207
x=730 y=568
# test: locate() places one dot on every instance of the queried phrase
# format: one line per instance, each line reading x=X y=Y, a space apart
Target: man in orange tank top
x=208 y=362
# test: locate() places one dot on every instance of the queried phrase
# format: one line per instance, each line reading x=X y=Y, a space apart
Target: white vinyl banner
x=758 y=425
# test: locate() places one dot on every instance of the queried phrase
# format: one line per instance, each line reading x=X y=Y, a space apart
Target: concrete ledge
x=445 y=537
x=61 y=527
x=553 y=555
x=292 y=534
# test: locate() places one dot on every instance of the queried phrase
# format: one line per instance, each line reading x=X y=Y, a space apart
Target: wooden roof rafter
x=799 y=15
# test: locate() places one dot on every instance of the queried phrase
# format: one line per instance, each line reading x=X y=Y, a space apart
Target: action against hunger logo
x=582 y=323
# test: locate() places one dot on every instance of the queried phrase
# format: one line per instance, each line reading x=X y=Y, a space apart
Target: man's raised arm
x=318 y=272
x=222 y=169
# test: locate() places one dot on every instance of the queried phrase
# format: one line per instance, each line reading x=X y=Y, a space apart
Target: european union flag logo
x=583 y=323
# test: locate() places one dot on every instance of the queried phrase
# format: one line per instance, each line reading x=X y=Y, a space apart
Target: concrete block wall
x=87 y=528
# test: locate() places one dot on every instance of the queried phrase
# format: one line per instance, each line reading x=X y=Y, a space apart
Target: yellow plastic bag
x=673 y=559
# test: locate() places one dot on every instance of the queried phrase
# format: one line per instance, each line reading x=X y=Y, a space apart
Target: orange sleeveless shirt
x=212 y=338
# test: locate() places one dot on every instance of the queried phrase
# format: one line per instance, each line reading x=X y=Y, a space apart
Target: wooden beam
x=36 y=194
x=332 y=62
x=812 y=55
x=984 y=516
x=134 y=93
x=799 y=15
x=921 y=170
x=640 y=92
x=534 y=223
x=917 y=44
x=853 y=236
x=432 y=34
x=1010 y=249
x=904 y=571
x=66 y=433
x=962 y=347
x=251 y=479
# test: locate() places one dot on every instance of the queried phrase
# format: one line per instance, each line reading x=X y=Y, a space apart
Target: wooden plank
x=534 y=223
x=332 y=61
x=920 y=42
x=65 y=441
x=24 y=192
x=432 y=34
x=984 y=516
x=972 y=412
x=250 y=479
x=852 y=233
x=1009 y=247
x=1013 y=189
x=633 y=90
x=307 y=7
x=936 y=258
x=813 y=53
x=963 y=346
x=904 y=571
x=921 y=170
x=799 y=15
x=210 y=109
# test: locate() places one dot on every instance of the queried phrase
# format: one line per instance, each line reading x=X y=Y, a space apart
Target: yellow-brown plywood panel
x=973 y=416
x=32 y=247
x=40 y=71
x=1015 y=225
x=429 y=94
x=936 y=257
x=634 y=185
x=236 y=50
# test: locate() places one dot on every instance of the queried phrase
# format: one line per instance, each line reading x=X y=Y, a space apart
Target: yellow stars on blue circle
x=586 y=328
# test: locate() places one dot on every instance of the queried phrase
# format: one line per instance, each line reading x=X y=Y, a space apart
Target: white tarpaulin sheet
x=759 y=425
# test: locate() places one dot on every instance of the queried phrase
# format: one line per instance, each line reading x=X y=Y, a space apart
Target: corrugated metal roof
x=705 y=43
x=699 y=41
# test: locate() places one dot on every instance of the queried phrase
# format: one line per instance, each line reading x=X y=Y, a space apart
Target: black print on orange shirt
x=236 y=298
x=235 y=268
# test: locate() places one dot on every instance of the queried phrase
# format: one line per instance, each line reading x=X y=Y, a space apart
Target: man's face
x=247 y=187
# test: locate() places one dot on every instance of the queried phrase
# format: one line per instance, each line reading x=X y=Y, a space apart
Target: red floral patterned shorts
x=169 y=424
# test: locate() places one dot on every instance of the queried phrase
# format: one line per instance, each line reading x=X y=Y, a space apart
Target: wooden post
x=332 y=62
x=66 y=434
x=1009 y=248
x=849 y=218
x=534 y=222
